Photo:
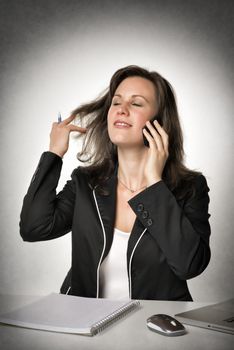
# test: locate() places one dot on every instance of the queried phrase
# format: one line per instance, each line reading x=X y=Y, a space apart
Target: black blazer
x=169 y=242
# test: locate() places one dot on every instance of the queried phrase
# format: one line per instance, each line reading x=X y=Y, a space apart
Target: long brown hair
x=101 y=154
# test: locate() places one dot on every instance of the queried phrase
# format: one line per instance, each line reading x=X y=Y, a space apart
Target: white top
x=113 y=270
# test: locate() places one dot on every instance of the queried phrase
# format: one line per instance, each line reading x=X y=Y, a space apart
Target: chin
x=123 y=140
x=126 y=143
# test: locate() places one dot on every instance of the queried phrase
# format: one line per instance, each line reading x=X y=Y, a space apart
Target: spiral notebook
x=69 y=314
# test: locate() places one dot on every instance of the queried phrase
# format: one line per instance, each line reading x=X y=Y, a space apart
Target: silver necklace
x=130 y=189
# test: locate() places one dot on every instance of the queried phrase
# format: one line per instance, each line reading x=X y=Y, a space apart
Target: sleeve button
x=145 y=214
x=149 y=222
x=140 y=207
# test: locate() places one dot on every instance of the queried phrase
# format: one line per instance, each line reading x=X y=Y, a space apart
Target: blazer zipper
x=130 y=264
x=104 y=244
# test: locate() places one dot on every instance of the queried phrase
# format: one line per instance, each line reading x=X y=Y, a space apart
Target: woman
x=138 y=216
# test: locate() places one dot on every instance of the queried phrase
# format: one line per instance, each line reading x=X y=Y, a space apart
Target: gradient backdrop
x=58 y=54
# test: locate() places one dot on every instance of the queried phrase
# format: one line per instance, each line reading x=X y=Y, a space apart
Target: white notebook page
x=64 y=313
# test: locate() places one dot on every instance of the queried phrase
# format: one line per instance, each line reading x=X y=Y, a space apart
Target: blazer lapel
x=107 y=209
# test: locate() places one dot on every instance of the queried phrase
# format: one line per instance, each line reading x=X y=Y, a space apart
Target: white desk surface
x=129 y=333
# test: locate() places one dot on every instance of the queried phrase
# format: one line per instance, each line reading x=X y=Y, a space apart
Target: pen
x=59 y=117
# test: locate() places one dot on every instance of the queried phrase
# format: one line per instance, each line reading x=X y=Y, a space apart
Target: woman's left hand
x=157 y=152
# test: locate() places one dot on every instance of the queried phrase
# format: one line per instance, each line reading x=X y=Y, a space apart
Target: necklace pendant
x=130 y=189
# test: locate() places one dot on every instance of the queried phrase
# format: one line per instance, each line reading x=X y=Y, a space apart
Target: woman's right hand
x=59 y=135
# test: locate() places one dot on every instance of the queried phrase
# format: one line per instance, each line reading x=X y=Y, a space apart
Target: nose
x=123 y=110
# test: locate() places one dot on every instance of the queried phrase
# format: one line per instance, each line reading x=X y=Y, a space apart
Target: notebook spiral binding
x=107 y=321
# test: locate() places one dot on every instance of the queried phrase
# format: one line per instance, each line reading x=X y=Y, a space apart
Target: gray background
x=58 y=54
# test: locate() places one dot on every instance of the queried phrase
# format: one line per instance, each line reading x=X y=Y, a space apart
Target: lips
x=122 y=124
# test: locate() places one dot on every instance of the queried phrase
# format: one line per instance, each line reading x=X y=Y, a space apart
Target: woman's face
x=133 y=103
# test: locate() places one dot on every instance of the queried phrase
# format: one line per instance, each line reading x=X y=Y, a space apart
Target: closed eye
x=134 y=104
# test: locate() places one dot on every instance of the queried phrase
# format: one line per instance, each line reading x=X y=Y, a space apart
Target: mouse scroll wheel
x=173 y=323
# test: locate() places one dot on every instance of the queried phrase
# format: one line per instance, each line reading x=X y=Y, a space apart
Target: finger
x=73 y=127
x=156 y=136
x=68 y=120
x=149 y=138
x=163 y=134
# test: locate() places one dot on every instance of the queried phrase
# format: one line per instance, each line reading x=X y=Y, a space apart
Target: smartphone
x=146 y=142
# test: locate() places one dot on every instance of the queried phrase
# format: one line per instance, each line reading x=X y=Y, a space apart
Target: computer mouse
x=165 y=325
